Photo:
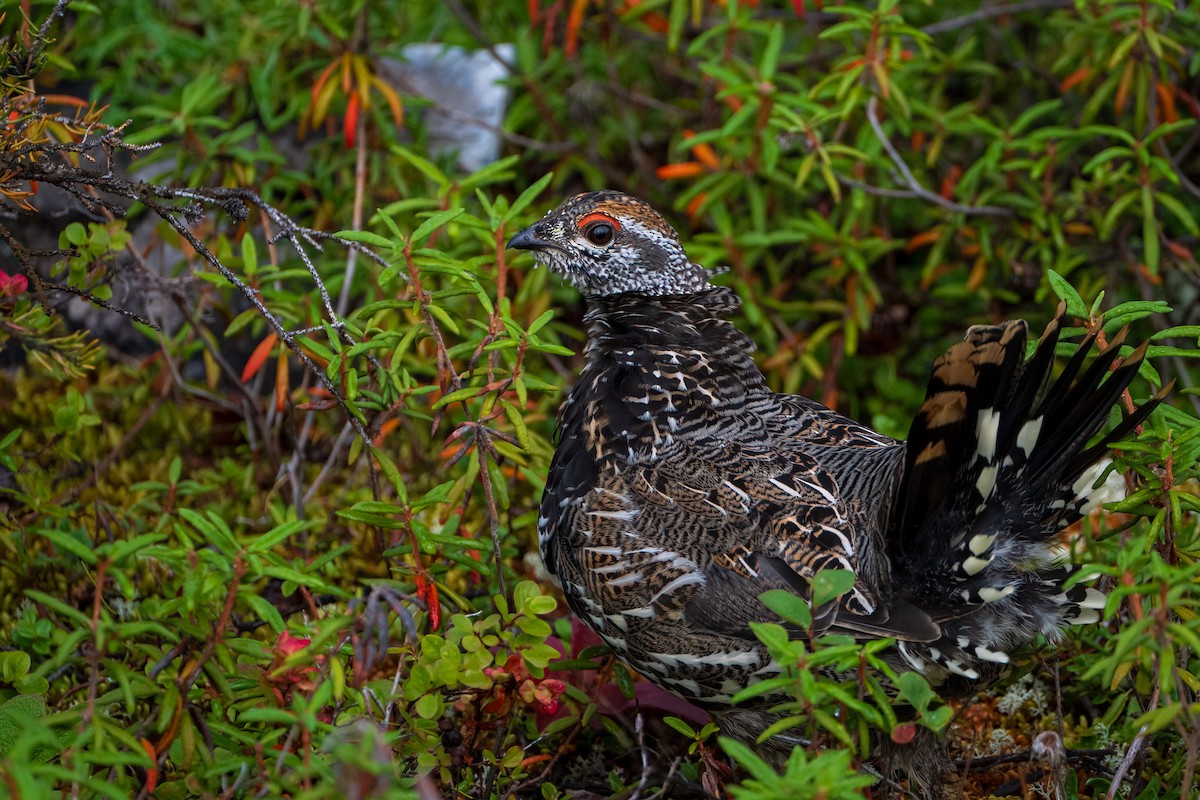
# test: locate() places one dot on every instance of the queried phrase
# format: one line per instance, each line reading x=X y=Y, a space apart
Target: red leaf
x=281 y=382
x=259 y=356
x=574 y=22
x=152 y=772
x=904 y=733
x=350 y=121
x=434 y=605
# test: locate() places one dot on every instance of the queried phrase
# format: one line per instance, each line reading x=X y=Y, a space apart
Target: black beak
x=527 y=240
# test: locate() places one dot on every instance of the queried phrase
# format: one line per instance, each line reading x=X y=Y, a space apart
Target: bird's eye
x=600 y=233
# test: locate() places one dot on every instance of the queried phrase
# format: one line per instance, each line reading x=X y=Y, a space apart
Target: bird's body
x=680 y=476
x=683 y=487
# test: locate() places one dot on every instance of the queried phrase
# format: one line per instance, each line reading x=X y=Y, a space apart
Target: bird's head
x=607 y=243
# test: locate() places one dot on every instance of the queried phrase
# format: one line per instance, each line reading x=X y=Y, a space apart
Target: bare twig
x=639 y=727
x=909 y=179
x=991 y=12
x=1135 y=750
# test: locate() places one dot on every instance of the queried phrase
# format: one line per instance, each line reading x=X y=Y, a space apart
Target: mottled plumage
x=683 y=487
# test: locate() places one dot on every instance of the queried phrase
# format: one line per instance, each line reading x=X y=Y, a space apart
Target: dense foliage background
x=268 y=497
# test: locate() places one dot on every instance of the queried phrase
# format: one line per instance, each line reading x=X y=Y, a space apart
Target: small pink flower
x=12 y=285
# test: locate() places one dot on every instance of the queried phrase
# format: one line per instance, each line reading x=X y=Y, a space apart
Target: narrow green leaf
x=1066 y=291
x=65 y=541
x=528 y=196
x=426 y=228
x=1150 y=243
x=279 y=533
x=389 y=470
x=465 y=393
x=366 y=237
x=770 y=57
x=681 y=726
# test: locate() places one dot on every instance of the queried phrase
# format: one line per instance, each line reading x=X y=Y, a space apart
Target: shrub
x=267 y=516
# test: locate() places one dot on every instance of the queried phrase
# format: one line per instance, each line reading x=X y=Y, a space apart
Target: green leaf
x=429 y=706
x=426 y=228
x=770 y=57
x=465 y=393
x=791 y=607
x=70 y=612
x=276 y=535
x=1150 y=243
x=1179 y=211
x=748 y=759
x=270 y=716
x=66 y=541
x=366 y=237
x=424 y=165
x=442 y=316
x=528 y=196
x=13 y=666
x=830 y=584
x=265 y=610
x=1065 y=291
x=389 y=470
x=681 y=726
x=915 y=689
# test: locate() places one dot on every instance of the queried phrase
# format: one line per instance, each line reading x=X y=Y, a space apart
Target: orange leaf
x=1179 y=251
x=574 y=22
x=950 y=181
x=531 y=6
x=387 y=427
x=657 y=23
x=307 y=348
x=1078 y=76
x=350 y=121
x=152 y=772
x=693 y=208
x=347 y=72
x=319 y=83
x=978 y=273
x=687 y=169
x=921 y=239
x=393 y=100
x=259 y=356
x=434 y=605
x=281 y=381
x=706 y=155
x=1166 y=101
x=65 y=100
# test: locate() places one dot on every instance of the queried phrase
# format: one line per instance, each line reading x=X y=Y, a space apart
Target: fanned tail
x=997 y=465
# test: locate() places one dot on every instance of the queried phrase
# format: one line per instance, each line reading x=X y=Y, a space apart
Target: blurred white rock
x=468 y=96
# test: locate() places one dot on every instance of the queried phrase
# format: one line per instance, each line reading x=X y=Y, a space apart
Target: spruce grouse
x=682 y=487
